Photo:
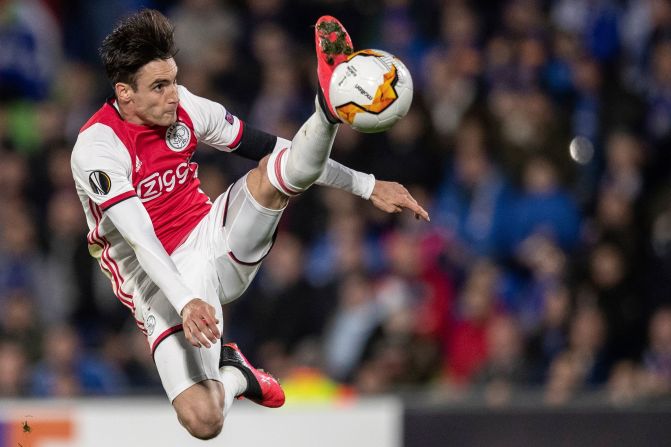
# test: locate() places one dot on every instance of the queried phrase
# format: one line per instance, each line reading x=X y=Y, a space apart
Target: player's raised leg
x=292 y=169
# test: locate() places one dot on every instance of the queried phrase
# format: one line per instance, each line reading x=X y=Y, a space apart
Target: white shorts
x=218 y=261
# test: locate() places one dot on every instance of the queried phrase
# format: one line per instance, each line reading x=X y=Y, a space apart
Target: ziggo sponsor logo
x=157 y=183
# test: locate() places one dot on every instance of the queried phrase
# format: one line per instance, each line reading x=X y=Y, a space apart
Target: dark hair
x=137 y=40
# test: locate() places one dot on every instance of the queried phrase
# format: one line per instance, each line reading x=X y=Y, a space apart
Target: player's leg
x=250 y=210
x=201 y=383
x=191 y=376
x=291 y=170
x=202 y=406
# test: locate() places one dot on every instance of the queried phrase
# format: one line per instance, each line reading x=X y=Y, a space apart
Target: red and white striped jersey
x=114 y=160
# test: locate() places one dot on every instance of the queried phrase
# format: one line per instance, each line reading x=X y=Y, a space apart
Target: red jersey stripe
x=108 y=261
x=109 y=258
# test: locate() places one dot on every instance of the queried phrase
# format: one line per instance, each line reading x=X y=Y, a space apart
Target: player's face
x=154 y=100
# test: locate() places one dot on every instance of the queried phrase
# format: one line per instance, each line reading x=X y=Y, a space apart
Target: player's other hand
x=200 y=323
x=392 y=197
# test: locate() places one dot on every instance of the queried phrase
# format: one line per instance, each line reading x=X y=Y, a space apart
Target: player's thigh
x=180 y=365
x=244 y=235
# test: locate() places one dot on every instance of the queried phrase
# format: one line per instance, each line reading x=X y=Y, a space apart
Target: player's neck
x=128 y=114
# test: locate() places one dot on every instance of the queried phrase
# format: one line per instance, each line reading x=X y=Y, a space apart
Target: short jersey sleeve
x=212 y=123
x=101 y=166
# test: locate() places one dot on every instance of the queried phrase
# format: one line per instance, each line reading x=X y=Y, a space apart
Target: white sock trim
x=295 y=165
x=234 y=385
x=276 y=167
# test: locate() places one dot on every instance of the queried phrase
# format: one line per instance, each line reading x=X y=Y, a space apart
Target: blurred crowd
x=538 y=139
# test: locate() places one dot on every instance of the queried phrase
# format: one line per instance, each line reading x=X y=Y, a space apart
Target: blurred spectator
x=343 y=247
x=625 y=159
x=596 y=22
x=473 y=198
x=550 y=338
x=658 y=119
x=67 y=371
x=397 y=33
x=583 y=363
x=21 y=324
x=13 y=364
x=416 y=286
x=618 y=299
x=544 y=207
x=129 y=351
x=30 y=50
x=19 y=258
x=657 y=357
x=354 y=321
x=658 y=274
x=450 y=70
x=505 y=369
x=64 y=282
x=478 y=303
x=546 y=268
x=201 y=26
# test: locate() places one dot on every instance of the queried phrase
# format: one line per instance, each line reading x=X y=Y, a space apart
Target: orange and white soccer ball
x=371 y=90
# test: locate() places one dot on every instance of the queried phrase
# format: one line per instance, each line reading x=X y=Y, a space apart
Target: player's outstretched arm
x=134 y=224
x=390 y=197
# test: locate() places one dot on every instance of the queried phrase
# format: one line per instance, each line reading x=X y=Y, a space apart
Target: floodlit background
x=539 y=139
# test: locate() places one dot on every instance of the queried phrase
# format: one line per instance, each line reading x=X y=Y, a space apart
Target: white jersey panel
x=101 y=168
x=101 y=165
x=213 y=124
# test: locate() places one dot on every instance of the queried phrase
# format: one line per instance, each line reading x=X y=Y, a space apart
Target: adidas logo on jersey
x=138 y=164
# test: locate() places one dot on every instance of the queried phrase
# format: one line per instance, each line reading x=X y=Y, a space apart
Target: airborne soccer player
x=173 y=255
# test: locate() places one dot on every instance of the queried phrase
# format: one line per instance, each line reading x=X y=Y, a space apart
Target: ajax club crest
x=177 y=137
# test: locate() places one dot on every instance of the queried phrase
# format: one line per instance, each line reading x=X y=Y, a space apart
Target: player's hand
x=392 y=197
x=200 y=323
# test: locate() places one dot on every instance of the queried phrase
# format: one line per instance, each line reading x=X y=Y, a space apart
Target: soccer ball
x=371 y=90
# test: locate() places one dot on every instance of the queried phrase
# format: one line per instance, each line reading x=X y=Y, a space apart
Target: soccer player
x=172 y=255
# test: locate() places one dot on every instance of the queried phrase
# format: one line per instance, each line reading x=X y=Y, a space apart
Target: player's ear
x=123 y=91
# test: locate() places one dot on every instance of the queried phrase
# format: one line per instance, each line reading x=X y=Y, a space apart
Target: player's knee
x=262 y=189
x=203 y=422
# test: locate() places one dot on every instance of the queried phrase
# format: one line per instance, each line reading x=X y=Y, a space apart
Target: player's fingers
x=199 y=334
x=188 y=333
x=410 y=204
x=212 y=322
x=210 y=328
x=413 y=206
